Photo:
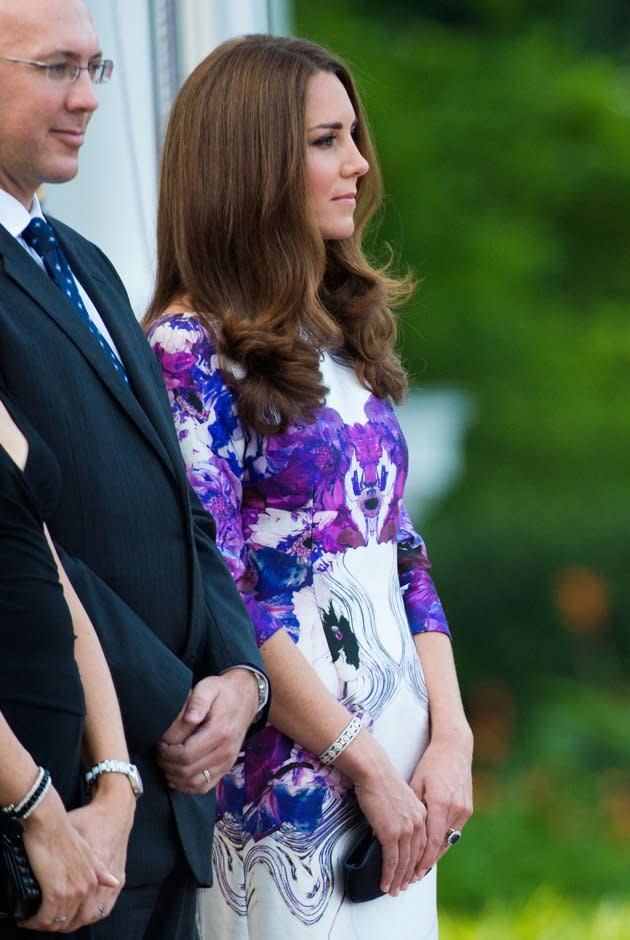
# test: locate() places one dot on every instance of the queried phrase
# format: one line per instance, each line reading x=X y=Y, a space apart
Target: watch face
x=262 y=691
x=135 y=780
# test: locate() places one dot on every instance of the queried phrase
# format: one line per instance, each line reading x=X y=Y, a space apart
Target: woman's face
x=333 y=161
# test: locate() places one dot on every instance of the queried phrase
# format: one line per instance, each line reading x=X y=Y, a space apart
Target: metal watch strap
x=263 y=690
x=116 y=767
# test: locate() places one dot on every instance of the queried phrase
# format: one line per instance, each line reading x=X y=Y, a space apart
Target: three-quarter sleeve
x=213 y=443
x=422 y=604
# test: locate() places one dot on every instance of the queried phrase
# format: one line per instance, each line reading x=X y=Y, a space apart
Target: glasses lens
x=60 y=72
x=101 y=72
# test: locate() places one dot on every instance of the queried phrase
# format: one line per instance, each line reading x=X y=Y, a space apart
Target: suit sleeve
x=148 y=706
x=231 y=639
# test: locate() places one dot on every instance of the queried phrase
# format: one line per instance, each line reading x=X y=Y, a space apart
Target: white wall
x=113 y=199
x=205 y=23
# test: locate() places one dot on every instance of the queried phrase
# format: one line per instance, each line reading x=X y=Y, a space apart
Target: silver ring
x=453 y=836
x=60 y=920
x=206 y=774
x=102 y=910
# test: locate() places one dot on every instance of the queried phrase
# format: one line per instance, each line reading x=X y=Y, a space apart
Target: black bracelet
x=33 y=798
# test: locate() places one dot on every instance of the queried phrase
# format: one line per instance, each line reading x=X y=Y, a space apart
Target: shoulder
x=180 y=332
x=84 y=251
x=188 y=355
x=79 y=243
x=66 y=231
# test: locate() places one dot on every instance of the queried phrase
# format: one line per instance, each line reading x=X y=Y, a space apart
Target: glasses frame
x=64 y=73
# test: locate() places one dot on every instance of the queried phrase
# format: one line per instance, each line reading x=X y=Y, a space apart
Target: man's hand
x=203 y=742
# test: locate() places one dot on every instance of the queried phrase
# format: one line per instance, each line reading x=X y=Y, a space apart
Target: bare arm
x=443 y=778
x=303 y=709
x=70 y=875
x=106 y=822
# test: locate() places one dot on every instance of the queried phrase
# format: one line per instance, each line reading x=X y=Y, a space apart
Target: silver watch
x=130 y=771
x=263 y=690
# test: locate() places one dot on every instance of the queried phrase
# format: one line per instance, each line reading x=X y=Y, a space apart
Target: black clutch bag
x=20 y=894
x=362 y=868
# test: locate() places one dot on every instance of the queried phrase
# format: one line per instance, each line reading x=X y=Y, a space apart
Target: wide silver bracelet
x=339 y=745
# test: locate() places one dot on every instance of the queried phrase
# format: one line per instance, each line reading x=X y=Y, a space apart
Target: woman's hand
x=105 y=824
x=443 y=781
x=396 y=815
x=74 y=882
x=398 y=820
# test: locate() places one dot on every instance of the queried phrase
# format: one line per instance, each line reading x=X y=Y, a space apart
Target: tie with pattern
x=39 y=235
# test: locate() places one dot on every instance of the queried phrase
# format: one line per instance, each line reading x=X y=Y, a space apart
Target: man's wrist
x=262 y=685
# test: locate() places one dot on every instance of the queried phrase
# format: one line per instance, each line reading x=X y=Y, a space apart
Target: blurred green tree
x=507 y=166
x=503 y=128
x=603 y=26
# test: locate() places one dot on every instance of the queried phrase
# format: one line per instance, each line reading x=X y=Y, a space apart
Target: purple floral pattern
x=313 y=528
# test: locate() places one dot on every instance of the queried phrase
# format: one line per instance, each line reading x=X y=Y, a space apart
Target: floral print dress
x=313 y=528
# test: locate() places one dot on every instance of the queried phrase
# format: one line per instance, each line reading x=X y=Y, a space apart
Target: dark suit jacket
x=135 y=541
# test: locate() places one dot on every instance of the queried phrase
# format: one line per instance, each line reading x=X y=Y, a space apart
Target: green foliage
x=505 y=149
x=604 y=25
x=556 y=814
x=507 y=168
x=544 y=917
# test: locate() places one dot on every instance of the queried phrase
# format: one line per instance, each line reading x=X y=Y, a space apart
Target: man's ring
x=453 y=836
x=101 y=909
x=60 y=920
x=206 y=774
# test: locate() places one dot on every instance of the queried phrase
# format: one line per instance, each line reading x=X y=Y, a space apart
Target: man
x=133 y=538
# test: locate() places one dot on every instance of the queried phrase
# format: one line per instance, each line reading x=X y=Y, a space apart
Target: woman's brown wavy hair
x=237 y=246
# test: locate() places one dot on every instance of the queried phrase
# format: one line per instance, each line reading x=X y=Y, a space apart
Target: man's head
x=43 y=122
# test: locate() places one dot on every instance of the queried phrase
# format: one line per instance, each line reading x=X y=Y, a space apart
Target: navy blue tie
x=40 y=236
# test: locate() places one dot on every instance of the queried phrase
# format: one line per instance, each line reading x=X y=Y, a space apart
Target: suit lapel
x=21 y=268
x=133 y=347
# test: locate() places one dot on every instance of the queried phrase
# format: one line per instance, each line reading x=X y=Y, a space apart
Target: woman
x=57 y=708
x=276 y=339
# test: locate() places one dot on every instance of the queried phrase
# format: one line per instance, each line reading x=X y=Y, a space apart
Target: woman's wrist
x=30 y=799
x=363 y=760
x=113 y=799
x=342 y=741
x=454 y=731
x=47 y=814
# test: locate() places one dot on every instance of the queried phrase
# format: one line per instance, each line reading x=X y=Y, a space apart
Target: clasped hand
x=204 y=741
x=411 y=821
x=398 y=822
x=443 y=781
x=80 y=881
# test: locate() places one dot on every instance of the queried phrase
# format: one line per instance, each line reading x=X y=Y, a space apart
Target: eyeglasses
x=65 y=73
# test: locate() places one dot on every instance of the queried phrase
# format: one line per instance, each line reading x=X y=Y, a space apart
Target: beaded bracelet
x=339 y=745
x=32 y=798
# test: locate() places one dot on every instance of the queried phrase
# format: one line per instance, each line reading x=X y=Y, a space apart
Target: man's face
x=42 y=123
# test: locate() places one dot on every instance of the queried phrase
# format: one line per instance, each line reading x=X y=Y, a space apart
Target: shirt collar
x=14 y=216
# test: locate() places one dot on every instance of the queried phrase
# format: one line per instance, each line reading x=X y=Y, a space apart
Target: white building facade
x=154 y=44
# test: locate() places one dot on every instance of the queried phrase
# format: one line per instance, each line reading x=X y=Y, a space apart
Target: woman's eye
x=326 y=141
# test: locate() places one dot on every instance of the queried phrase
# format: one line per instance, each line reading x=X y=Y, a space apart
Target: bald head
x=20 y=19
